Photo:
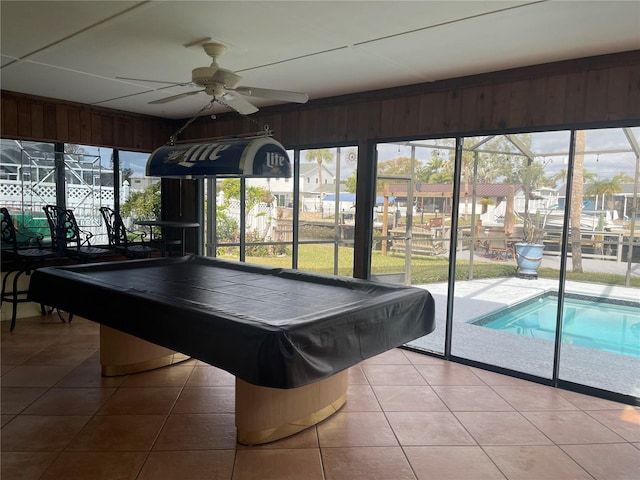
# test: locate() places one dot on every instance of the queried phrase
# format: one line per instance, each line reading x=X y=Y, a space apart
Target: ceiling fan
x=221 y=83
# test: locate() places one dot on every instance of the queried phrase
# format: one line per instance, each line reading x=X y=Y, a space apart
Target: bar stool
x=21 y=261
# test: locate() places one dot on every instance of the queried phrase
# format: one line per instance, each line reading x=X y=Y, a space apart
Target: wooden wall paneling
x=37 y=120
x=341 y=131
x=406 y=115
x=198 y=129
x=232 y=127
x=453 y=111
x=107 y=130
x=595 y=95
x=484 y=104
x=158 y=137
x=24 y=118
x=137 y=133
x=618 y=93
x=97 y=137
x=370 y=121
x=275 y=125
x=214 y=129
x=518 y=104
x=325 y=127
x=387 y=109
x=73 y=119
x=238 y=125
x=316 y=127
x=225 y=127
x=395 y=113
x=123 y=132
x=469 y=108
x=50 y=124
x=574 y=105
x=163 y=132
x=308 y=127
x=148 y=139
x=203 y=129
x=85 y=127
x=353 y=114
x=254 y=124
x=62 y=121
x=633 y=108
x=285 y=131
x=500 y=106
x=363 y=120
x=431 y=107
x=536 y=101
x=249 y=124
x=9 y=116
x=554 y=104
x=151 y=136
x=143 y=134
x=229 y=127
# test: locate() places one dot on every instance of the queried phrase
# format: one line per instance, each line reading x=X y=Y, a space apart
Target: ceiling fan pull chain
x=173 y=138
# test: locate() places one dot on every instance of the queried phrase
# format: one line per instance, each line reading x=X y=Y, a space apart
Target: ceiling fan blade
x=175 y=97
x=177 y=84
x=283 y=95
x=238 y=103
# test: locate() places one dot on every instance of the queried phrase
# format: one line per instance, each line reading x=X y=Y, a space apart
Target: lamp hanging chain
x=174 y=137
x=264 y=128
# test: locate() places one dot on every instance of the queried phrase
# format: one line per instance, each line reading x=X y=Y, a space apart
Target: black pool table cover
x=272 y=327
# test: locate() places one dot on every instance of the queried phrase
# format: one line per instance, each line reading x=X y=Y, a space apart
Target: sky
x=552 y=149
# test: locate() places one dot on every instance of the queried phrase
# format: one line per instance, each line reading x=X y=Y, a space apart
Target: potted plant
x=529 y=250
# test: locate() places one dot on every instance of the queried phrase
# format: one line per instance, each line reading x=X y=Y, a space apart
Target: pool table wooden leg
x=123 y=354
x=266 y=414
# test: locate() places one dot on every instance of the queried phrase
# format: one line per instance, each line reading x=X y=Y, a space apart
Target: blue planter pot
x=529 y=258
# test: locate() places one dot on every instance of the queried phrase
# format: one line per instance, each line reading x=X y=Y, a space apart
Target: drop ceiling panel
x=77 y=50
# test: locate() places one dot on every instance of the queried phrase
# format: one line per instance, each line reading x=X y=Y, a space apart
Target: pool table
x=288 y=336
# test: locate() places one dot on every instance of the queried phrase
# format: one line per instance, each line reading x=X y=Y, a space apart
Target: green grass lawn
x=319 y=259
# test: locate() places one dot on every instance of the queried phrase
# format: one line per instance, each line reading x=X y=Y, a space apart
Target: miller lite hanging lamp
x=260 y=156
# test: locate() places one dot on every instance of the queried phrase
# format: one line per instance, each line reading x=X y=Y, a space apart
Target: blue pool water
x=587 y=322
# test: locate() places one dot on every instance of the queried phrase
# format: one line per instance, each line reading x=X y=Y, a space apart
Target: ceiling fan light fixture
x=215 y=90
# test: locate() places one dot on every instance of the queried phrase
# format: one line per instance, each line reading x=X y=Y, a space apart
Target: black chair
x=67 y=239
x=128 y=243
x=19 y=260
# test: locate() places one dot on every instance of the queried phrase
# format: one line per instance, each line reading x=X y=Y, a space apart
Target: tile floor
x=407 y=416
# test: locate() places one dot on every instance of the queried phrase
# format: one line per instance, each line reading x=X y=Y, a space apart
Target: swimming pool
x=591 y=322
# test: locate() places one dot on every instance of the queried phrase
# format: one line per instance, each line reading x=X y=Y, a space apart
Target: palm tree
x=319 y=156
x=576 y=201
x=604 y=187
x=561 y=176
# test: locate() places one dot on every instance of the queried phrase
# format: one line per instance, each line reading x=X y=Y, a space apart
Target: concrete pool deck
x=553 y=261
x=475 y=298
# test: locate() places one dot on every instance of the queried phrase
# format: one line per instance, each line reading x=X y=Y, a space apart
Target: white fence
x=84 y=200
x=261 y=219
